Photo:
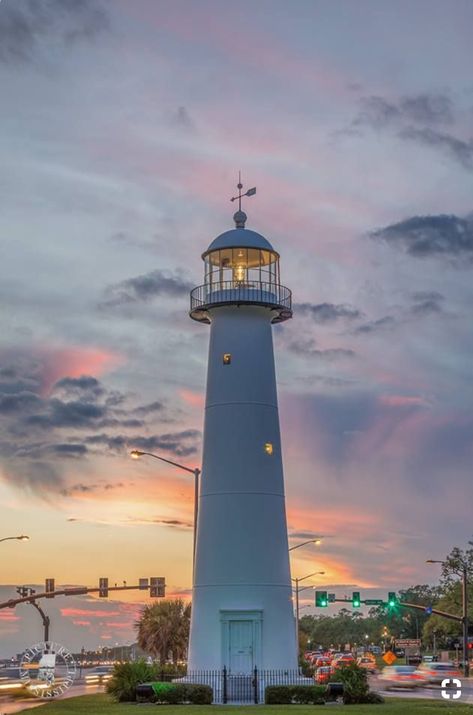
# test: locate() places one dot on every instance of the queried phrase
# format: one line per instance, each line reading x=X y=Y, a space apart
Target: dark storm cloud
x=181 y=444
x=427 y=303
x=416 y=118
x=145 y=287
x=28 y=26
x=328 y=312
x=441 y=236
x=83 y=385
x=458 y=149
x=149 y=409
x=40 y=435
x=306 y=347
x=388 y=321
x=377 y=112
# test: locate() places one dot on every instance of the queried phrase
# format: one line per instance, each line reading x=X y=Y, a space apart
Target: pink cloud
x=70 y=612
x=403 y=401
x=74 y=362
x=194 y=399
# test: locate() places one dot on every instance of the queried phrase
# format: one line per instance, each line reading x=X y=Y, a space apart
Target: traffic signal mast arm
x=79 y=591
x=379 y=602
x=435 y=611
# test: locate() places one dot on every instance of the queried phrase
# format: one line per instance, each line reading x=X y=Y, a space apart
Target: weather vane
x=250 y=192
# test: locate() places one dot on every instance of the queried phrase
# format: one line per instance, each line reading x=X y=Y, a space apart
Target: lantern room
x=241 y=267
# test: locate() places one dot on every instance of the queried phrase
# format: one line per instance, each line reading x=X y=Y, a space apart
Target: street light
x=317 y=541
x=23 y=537
x=297 y=582
x=463 y=572
x=136 y=454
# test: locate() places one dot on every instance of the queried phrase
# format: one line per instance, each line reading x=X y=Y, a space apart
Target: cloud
x=419 y=118
x=388 y=321
x=427 y=303
x=440 y=236
x=458 y=149
x=328 y=312
x=146 y=287
x=307 y=347
x=27 y=27
x=378 y=113
x=45 y=439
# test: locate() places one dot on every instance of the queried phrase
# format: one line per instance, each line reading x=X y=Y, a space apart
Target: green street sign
x=373 y=602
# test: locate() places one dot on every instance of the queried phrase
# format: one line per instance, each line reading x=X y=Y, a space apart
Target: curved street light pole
x=136 y=454
x=297 y=581
x=464 y=575
x=23 y=537
x=317 y=540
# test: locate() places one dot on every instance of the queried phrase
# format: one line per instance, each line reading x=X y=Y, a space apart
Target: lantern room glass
x=241 y=267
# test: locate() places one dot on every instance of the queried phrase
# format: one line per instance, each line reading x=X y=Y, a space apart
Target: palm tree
x=163 y=629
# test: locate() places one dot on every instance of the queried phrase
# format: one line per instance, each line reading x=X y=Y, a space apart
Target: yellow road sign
x=389 y=657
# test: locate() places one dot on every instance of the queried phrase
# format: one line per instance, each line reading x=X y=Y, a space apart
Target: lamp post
x=136 y=454
x=298 y=590
x=317 y=541
x=463 y=572
x=23 y=537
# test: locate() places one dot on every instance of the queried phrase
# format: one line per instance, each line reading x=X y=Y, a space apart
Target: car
x=401 y=676
x=99 y=675
x=322 y=674
x=321 y=661
x=344 y=659
x=375 y=649
x=368 y=663
x=436 y=672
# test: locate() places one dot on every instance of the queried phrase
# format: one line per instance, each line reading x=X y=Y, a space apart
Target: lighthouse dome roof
x=240 y=237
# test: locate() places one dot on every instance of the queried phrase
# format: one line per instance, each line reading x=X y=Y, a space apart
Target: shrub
x=125 y=678
x=355 y=685
x=300 y=694
x=176 y=693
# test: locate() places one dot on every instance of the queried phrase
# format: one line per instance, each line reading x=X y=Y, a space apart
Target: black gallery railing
x=240 y=292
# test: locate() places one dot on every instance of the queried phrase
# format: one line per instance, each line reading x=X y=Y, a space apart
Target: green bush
x=355 y=685
x=178 y=693
x=299 y=694
x=125 y=678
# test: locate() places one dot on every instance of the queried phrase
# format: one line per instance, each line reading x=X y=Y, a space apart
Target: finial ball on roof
x=240 y=218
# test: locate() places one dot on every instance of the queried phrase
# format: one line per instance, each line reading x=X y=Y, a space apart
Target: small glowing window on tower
x=268 y=448
x=227 y=358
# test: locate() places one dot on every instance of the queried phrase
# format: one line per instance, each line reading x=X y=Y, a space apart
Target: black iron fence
x=229 y=687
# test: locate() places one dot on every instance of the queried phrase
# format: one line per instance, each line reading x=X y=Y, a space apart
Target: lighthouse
x=242 y=613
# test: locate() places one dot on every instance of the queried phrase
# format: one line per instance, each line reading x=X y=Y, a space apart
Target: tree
x=163 y=629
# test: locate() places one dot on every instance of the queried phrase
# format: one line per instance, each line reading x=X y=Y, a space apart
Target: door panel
x=241 y=646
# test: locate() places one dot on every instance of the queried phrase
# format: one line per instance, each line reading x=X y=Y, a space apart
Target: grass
x=103 y=705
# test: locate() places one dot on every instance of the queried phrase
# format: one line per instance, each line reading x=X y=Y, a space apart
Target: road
x=432 y=692
x=16 y=706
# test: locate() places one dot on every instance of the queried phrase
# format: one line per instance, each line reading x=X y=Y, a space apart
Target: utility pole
x=466 y=665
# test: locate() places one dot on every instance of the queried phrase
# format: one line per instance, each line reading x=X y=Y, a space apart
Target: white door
x=241 y=646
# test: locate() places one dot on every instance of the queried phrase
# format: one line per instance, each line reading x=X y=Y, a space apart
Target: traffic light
x=49 y=586
x=103 y=587
x=321 y=600
x=157 y=587
x=392 y=599
x=355 y=599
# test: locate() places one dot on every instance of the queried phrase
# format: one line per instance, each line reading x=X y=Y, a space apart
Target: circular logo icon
x=47 y=669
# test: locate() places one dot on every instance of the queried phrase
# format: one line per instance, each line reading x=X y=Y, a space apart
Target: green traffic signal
x=392 y=600
x=356 y=600
x=321 y=600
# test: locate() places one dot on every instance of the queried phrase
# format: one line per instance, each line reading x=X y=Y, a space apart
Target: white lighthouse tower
x=242 y=614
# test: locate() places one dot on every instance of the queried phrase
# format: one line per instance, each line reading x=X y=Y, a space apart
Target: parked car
x=322 y=674
x=368 y=663
x=401 y=676
x=344 y=659
x=436 y=672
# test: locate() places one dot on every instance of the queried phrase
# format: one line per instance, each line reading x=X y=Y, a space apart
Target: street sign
x=389 y=657
x=373 y=602
x=408 y=642
x=144 y=584
x=331 y=597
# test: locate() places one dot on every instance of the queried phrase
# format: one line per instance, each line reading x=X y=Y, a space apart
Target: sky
x=122 y=130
